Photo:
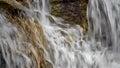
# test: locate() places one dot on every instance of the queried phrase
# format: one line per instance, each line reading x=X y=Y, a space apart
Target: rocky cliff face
x=72 y=11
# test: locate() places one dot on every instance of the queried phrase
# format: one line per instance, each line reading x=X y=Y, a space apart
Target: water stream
x=69 y=48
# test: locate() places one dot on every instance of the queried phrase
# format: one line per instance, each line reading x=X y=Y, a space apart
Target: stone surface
x=72 y=11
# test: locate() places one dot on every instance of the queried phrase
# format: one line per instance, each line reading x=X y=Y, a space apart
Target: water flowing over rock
x=35 y=38
x=72 y=11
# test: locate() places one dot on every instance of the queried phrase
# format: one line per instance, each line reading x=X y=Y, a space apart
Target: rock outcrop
x=72 y=11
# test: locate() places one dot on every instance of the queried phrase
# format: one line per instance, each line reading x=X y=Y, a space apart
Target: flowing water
x=69 y=48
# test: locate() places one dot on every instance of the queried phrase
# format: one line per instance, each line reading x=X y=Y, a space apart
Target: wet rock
x=14 y=4
x=72 y=11
x=26 y=29
x=48 y=65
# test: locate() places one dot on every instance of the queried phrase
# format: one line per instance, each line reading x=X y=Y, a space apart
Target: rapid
x=68 y=46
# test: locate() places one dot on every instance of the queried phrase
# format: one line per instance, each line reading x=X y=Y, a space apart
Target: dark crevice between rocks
x=6 y=8
x=63 y=1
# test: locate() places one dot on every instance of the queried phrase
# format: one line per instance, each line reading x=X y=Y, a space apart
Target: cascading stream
x=69 y=48
x=104 y=21
x=10 y=55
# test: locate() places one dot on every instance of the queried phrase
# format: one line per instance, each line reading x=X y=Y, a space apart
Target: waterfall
x=68 y=47
x=10 y=56
x=104 y=18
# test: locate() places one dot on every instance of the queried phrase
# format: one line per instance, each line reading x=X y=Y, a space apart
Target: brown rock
x=72 y=11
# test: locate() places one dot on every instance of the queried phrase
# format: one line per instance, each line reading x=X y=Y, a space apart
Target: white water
x=10 y=55
x=69 y=47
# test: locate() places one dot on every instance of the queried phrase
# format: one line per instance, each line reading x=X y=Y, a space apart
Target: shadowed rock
x=14 y=4
x=72 y=11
